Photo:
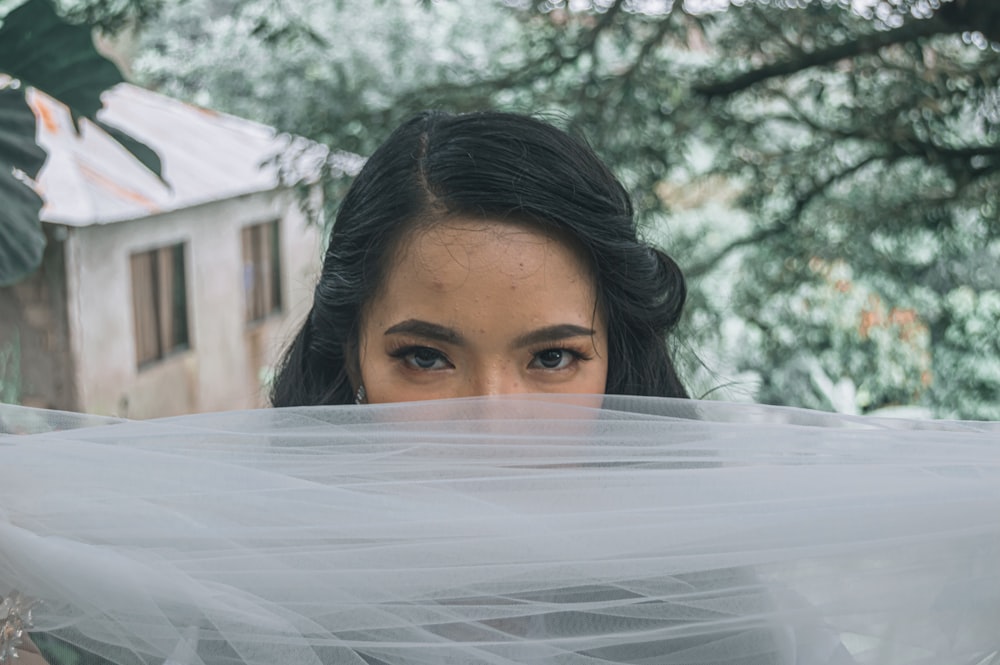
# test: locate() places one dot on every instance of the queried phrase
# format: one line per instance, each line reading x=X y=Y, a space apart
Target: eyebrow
x=552 y=334
x=427 y=330
x=440 y=333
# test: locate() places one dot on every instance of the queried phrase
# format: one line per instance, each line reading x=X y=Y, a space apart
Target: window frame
x=260 y=251
x=161 y=321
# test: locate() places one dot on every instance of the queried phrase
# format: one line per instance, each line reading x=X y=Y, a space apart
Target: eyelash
x=577 y=355
x=405 y=352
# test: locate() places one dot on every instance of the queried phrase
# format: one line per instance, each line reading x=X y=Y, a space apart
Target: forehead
x=517 y=249
x=478 y=264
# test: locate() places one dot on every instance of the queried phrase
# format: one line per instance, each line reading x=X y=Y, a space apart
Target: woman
x=484 y=254
x=490 y=254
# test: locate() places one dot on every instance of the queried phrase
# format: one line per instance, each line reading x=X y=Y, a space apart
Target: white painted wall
x=221 y=370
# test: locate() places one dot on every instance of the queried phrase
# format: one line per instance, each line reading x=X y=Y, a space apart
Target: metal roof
x=206 y=156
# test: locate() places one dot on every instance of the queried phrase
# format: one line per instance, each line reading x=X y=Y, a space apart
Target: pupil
x=550 y=359
x=425 y=358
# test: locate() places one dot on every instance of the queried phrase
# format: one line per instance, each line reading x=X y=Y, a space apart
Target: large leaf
x=21 y=240
x=41 y=49
x=44 y=51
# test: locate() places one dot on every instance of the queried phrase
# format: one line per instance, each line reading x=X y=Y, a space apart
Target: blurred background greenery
x=825 y=171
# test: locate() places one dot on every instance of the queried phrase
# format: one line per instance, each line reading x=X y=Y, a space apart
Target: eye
x=554 y=358
x=423 y=358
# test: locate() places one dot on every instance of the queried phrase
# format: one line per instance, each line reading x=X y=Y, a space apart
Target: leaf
x=142 y=152
x=22 y=240
x=41 y=49
x=45 y=51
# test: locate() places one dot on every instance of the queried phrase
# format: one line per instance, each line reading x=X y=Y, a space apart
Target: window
x=159 y=303
x=261 y=271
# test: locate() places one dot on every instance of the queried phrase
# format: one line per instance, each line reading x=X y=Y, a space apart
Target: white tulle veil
x=555 y=531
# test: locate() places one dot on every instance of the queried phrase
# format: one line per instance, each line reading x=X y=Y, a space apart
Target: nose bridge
x=498 y=377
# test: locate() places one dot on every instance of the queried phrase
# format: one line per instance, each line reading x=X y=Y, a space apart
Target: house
x=159 y=297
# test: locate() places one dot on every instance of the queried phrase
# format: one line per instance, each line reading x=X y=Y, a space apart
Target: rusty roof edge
x=282 y=160
x=120 y=219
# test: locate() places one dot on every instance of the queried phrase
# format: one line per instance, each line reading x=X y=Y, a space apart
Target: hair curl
x=495 y=166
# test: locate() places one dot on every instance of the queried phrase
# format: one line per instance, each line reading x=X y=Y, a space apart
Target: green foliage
x=110 y=16
x=24 y=242
x=334 y=72
x=41 y=49
x=10 y=371
x=760 y=142
x=969 y=349
x=884 y=156
x=337 y=73
x=836 y=343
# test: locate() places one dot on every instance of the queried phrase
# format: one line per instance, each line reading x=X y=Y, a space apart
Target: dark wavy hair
x=495 y=166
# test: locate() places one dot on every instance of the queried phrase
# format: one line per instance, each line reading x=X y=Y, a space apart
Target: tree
x=872 y=140
x=760 y=142
x=335 y=72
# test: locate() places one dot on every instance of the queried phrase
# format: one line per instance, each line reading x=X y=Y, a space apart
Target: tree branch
x=780 y=227
x=648 y=46
x=591 y=41
x=826 y=56
x=545 y=65
x=704 y=266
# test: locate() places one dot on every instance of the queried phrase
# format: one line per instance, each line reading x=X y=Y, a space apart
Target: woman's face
x=475 y=307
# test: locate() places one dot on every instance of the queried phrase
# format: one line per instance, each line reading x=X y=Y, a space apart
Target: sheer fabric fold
x=542 y=530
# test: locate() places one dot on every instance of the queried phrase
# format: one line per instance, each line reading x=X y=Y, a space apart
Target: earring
x=360 y=396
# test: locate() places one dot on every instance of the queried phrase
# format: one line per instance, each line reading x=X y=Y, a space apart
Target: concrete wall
x=222 y=368
x=36 y=368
